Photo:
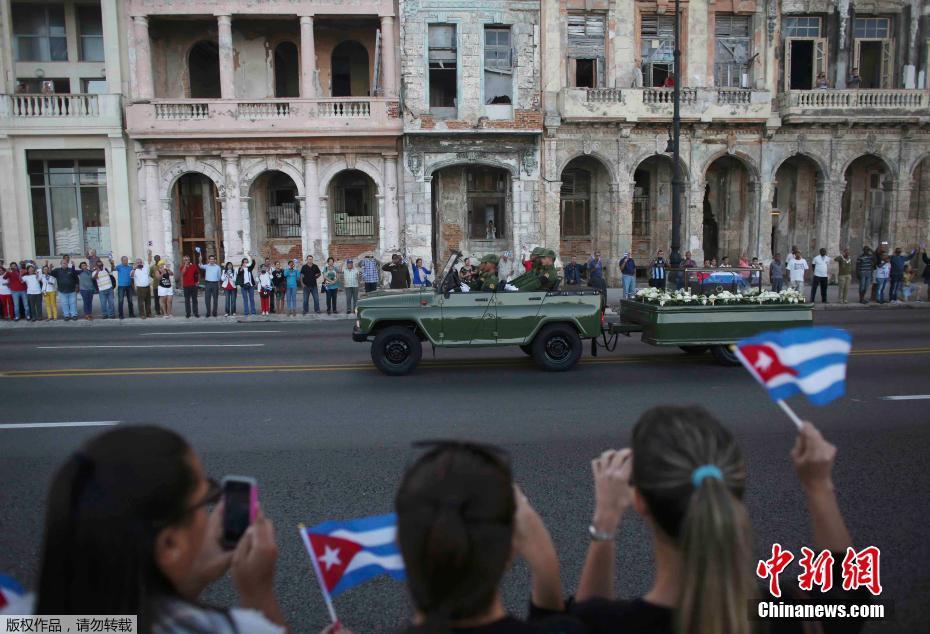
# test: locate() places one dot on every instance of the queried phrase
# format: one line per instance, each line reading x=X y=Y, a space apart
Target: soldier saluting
x=487 y=279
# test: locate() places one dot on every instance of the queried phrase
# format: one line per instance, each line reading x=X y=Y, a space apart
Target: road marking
x=90 y=423
x=367 y=366
x=907 y=397
x=156 y=345
x=214 y=332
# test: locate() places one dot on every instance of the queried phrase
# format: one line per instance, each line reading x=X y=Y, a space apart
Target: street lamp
x=675 y=142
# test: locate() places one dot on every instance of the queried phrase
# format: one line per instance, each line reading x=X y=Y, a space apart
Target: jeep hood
x=395 y=298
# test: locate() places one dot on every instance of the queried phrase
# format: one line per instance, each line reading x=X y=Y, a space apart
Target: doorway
x=198 y=217
x=286 y=70
x=802 y=65
x=350 y=70
x=870 y=63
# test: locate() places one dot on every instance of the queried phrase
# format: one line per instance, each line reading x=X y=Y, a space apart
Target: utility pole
x=675 y=255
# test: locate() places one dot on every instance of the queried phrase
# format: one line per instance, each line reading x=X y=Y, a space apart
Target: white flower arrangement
x=724 y=298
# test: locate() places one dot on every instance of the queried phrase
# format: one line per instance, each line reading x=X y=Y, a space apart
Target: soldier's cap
x=549 y=253
x=537 y=252
x=490 y=257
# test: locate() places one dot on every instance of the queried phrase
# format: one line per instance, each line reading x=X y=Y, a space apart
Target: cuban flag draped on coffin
x=347 y=553
x=807 y=360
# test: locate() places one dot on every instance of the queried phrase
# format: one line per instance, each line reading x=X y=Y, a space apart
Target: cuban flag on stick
x=807 y=360
x=345 y=554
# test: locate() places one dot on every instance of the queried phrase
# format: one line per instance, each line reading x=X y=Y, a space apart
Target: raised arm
x=532 y=541
x=612 y=497
x=813 y=460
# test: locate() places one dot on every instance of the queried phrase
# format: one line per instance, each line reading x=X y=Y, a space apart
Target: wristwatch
x=599 y=536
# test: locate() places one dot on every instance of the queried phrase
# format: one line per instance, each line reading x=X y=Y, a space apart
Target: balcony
x=656 y=104
x=334 y=116
x=862 y=105
x=59 y=114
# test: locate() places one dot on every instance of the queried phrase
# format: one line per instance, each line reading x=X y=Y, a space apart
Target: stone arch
x=586 y=209
x=822 y=165
x=651 y=203
x=247 y=177
x=912 y=167
x=171 y=175
x=889 y=165
x=867 y=202
x=798 y=207
x=638 y=159
x=747 y=161
x=488 y=162
x=729 y=206
x=203 y=74
x=603 y=160
x=340 y=165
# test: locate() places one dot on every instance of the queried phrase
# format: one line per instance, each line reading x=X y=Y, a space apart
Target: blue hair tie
x=705 y=471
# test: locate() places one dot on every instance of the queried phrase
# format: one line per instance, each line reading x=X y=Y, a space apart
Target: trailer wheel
x=694 y=349
x=557 y=348
x=724 y=355
x=396 y=350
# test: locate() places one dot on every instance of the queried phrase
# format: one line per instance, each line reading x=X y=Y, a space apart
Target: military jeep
x=548 y=326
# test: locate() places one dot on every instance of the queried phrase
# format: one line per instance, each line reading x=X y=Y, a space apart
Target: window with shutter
x=498 y=66
x=657 y=49
x=443 y=70
x=586 y=46
x=732 y=50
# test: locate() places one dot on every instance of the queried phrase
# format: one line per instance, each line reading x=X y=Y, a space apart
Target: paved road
x=299 y=407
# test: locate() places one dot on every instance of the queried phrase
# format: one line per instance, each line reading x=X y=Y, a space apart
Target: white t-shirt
x=33 y=287
x=142 y=277
x=796 y=267
x=821 y=265
x=5 y=286
x=49 y=283
x=103 y=280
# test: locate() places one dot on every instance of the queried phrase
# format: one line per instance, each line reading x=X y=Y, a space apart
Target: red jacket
x=189 y=275
x=15 y=280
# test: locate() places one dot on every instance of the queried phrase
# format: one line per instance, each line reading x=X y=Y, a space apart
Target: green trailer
x=697 y=328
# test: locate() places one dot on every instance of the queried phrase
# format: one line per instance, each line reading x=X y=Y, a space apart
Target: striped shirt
x=657 y=272
x=370 y=272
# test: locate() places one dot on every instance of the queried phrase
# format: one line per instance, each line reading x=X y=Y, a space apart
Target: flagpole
x=319 y=575
x=790 y=412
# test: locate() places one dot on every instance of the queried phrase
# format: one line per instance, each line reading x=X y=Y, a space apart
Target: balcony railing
x=734 y=96
x=843 y=99
x=604 y=95
x=290 y=116
x=57 y=105
x=354 y=226
x=653 y=96
x=645 y=104
x=35 y=113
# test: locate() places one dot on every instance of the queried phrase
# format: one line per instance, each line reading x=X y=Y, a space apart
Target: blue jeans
x=248 y=300
x=777 y=284
x=290 y=299
x=865 y=283
x=106 y=303
x=629 y=285
x=231 y=302
x=124 y=292
x=897 y=284
x=68 y=304
x=308 y=292
x=87 y=297
x=880 y=290
x=20 y=296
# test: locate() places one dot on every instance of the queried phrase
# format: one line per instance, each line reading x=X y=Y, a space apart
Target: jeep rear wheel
x=396 y=350
x=557 y=348
x=724 y=356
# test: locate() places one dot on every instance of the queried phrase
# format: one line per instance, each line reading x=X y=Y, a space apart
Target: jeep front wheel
x=557 y=348
x=396 y=350
x=724 y=355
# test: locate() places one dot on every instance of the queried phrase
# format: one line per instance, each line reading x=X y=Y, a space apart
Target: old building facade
x=328 y=127
x=780 y=145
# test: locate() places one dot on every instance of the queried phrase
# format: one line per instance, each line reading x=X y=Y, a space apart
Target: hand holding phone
x=197 y=249
x=240 y=502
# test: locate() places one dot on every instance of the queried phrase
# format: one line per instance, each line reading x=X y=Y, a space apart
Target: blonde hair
x=705 y=516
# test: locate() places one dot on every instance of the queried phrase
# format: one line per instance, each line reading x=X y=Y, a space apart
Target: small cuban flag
x=347 y=553
x=807 y=360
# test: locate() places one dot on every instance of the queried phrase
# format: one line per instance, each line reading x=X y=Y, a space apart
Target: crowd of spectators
x=133 y=526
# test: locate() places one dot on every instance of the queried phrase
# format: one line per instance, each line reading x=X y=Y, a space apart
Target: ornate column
x=390 y=239
x=623 y=195
x=763 y=249
x=307 y=58
x=227 y=71
x=232 y=212
x=121 y=214
x=144 y=87
x=388 y=57
x=831 y=210
x=899 y=234
x=694 y=229
x=111 y=28
x=167 y=251
x=154 y=234
x=312 y=221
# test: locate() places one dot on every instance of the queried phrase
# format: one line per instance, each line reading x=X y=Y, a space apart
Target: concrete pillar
x=624 y=210
x=699 y=70
x=10 y=216
x=153 y=234
x=111 y=47
x=144 y=86
x=227 y=82
x=307 y=59
x=622 y=18
x=390 y=237
x=900 y=213
x=167 y=252
x=388 y=56
x=552 y=72
x=232 y=211
x=763 y=249
x=312 y=220
x=831 y=209
x=118 y=201
x=694 y=228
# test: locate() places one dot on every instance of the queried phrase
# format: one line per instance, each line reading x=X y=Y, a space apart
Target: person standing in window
x=246 y=282
x=104 y=282
x=88 y=289
x=165 y=288
x=350 y=276
x=49 y=293
x=491 y=232
x=228 y=281
x=330 y=285
x=822 y=81
x=420 y=273
x=33 y=293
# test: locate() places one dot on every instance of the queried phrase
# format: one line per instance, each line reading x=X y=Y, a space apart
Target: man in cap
x=487 y=279
x=547 y=275
x=527 y=279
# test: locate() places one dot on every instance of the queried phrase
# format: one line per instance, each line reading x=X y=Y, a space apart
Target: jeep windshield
x=447 y=279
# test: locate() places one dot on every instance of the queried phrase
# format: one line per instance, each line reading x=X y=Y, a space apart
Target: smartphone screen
x=237 y=510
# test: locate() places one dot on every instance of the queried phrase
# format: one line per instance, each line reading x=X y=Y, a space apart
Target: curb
x=174 y=321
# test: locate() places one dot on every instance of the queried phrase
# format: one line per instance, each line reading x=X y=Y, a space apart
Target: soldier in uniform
x=487 y=279
x=529 y=281
x=547 y=275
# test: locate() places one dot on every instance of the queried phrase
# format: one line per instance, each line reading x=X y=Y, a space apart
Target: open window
x=443 y=71
x=874 y=54
x=498 y=72
x=586 y=50
x=805 y=53
x=486 y=192
x=732 y=50
x=657 y=49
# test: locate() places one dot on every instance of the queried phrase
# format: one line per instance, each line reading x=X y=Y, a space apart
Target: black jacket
x=240 y=278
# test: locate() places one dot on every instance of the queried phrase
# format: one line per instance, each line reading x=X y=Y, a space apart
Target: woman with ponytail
x=460 y=523
x=685 y=475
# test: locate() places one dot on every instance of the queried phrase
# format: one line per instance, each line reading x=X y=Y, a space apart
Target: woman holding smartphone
x=228 y=282
x=165 y=287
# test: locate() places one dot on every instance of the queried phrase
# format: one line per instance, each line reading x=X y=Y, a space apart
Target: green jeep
x=548 y=326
